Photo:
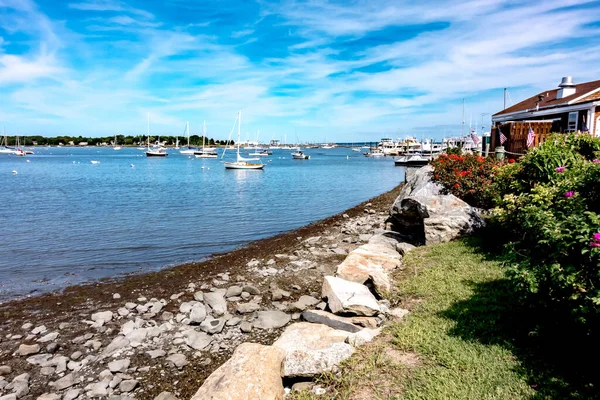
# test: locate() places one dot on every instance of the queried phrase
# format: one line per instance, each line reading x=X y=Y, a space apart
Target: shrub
x=548 y=209
x=468 y=177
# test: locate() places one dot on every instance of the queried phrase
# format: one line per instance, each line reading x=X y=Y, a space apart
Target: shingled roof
x=584 y=92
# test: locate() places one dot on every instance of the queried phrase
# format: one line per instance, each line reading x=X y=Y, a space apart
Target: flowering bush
x=548 y=211
x=468 y=177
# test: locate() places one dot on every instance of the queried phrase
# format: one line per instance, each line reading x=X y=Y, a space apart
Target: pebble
x=128 y=385
x=156 y=353
x=49 y=396
x=46 y=371
x=199 y=296
x=76 y=356
x=123 y=312
x=65 y=382
x=119 y=365
x=246 y=327
x=116 y=296
x=27 y=326
x=166 y=396
x=178 y=360
x=26 y=350
x=38 y=330
x=71 y=394
x=233 y=291
x=166 y=315
x=5 y=370
x=251 y=289
x=130 y=306
x=233 y=321
x=52 y=347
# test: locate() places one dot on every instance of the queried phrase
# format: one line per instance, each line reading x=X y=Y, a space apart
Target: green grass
x=467 y=337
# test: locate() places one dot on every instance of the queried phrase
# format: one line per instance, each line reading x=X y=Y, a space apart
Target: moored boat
x=155 y=151
x=299 y=155
x=241 y=162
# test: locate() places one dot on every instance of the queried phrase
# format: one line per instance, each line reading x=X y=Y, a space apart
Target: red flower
x=456 y=185
x=437 y=176
x=511 y=160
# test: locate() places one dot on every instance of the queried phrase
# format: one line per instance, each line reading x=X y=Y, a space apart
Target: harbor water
x=64 y=220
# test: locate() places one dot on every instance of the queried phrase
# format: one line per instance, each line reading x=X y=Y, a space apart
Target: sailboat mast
x=203 y=134
x=187 y=129
x=148 y=131
x=463 y=118
x=239 y=131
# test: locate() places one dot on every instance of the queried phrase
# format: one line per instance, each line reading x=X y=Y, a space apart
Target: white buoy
x=131 y=165
x=14 y=171
x=27 y=160
x=347 y=157
x=203 y=167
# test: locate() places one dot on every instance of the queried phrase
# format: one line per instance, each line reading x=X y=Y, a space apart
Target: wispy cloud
x=110 y=5
x=243 y=32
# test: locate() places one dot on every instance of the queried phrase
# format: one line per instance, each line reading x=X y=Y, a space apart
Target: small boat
x=375 y=153
x=241 y=162
x=413 y=160
x=357 y=149
x=116 y=146
x=261 y=153
x=95 y=162
x=188 y=150
x=155 y=151
x=205 y=152
x=299 y=155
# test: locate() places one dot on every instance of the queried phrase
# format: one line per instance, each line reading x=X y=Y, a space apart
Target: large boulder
x=311 y=349
x=346 y=297
x=373 y=262
x=423 y=215
x=252 y=372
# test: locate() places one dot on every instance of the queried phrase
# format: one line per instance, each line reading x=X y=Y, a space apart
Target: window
x=572 y=123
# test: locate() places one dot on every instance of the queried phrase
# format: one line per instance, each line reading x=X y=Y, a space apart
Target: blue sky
x=345 y=71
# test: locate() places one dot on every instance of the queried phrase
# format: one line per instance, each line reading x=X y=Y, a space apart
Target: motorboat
x=299 y=155
x=261 y=153
x=375 y=153
x=412 y=160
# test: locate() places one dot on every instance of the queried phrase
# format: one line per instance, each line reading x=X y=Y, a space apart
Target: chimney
x=566 y=87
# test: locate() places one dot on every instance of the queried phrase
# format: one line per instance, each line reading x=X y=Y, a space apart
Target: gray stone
x=246 y=327
x=102 y=316
x=166 y=396
x=116 y=296
x=130 y=306
x=38 y=359
x=331 y=320
x=5 y=370
x=278 y=294
x=246 y=308
x=216 y=301
x=48 y=338
x=233 y=321
x=349 y=297
x=362 y=337
x=251 y=289
x=76 y=355
x=312 y=349
x=178 y=360
x=47 y=371
x=119 y=365
x=71 y=394
x=39 y=329
x=52 y=347
x=137 y=336
x=166 y=315
x=303 y=386
x=271 y=319
x=253 y=263
x=156 y=353
x=198 y=313
x=398 y=313
x=212 y=325
x=99 y=389
x=199 y=296
x=49 y=396
x=156 y=307
x=65 y=382
x=26 y=350
x=128 y=385
x=404 y=247
x=117 y=344
x=197 y=340
x=303 y=303
x=11 y=396
x=233 y=291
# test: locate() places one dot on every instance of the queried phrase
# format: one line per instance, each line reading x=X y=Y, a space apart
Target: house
x=568 y=108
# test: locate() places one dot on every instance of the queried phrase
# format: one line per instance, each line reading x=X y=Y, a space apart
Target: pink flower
x=597 y=161
x=569 y=193
x=561 y=169
x=597 y=237
x=594 y=244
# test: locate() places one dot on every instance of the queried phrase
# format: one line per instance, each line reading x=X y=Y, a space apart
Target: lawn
x=467 y=337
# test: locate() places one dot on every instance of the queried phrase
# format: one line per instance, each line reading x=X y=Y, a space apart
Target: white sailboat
x=4 y=149
x=205 y=153
x=154 y=152
x=116 y=146
x=241 y=162
x=188 y=150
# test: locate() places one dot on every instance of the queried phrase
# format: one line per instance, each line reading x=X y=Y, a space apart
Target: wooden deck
x=516 y=134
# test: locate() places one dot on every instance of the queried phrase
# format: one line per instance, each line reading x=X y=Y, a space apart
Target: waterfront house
x=570 y=107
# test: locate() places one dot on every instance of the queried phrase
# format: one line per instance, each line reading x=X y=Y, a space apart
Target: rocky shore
x=159 y=335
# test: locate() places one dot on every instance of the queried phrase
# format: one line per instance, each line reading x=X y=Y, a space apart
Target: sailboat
x=189 y=150
x=154 y=152
x=19 y=152
x=5 y=149
x=116 y=147
x=205 y=153
x=241 y=162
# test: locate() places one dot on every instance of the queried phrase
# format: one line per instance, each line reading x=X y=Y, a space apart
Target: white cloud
x=242 y=33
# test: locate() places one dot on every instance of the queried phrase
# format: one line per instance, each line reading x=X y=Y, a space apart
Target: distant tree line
x=122 y=140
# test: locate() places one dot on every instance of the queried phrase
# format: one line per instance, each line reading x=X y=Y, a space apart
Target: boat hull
x=240 y=165
x=206 y=155
x=156 y=154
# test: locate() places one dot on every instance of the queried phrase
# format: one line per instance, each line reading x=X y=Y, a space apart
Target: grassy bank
x=466 y=338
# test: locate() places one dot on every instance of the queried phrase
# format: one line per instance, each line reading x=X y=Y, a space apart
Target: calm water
x=64 y=220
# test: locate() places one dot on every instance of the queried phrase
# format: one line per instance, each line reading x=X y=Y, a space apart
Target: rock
x=253 y=263
x=26 y=350
x=312 y=349
x=212 y=325
x=5 y=370
x=198 y=313
x=198 y=296
x=118 y=343
x=374 y=262
x=426 y=216
x=10 y=396
x=303 y=303
x=166 y=396
x=119 y=365
x=398 y=313
x=137 y=336
x=404 y=248
x=156 y=353
x=246 y=327
x=38 y=359
x=116 y=296
x=103 y=316
x=65 y=382
x=348 y=297
x=48 y=338
x=128 y=385
x=251 y=289
x=252 y=372
x=39 y=329
x=49 y=396
x=302 y=386
x=216 y=301
x=47 y=371
x=123 y=312
x=166 y=315
x=331 y=320
x=130 y=306
x=156 y=307
x=178 y=360
x=52 y=347
x=99 y=389
x=271 y=319
x=197 y=340
x=233 y=291
x=246 y=308
x=362 y=337
x=278 y=294
x=71 y=394
x=233 y=321
x=76 y=355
